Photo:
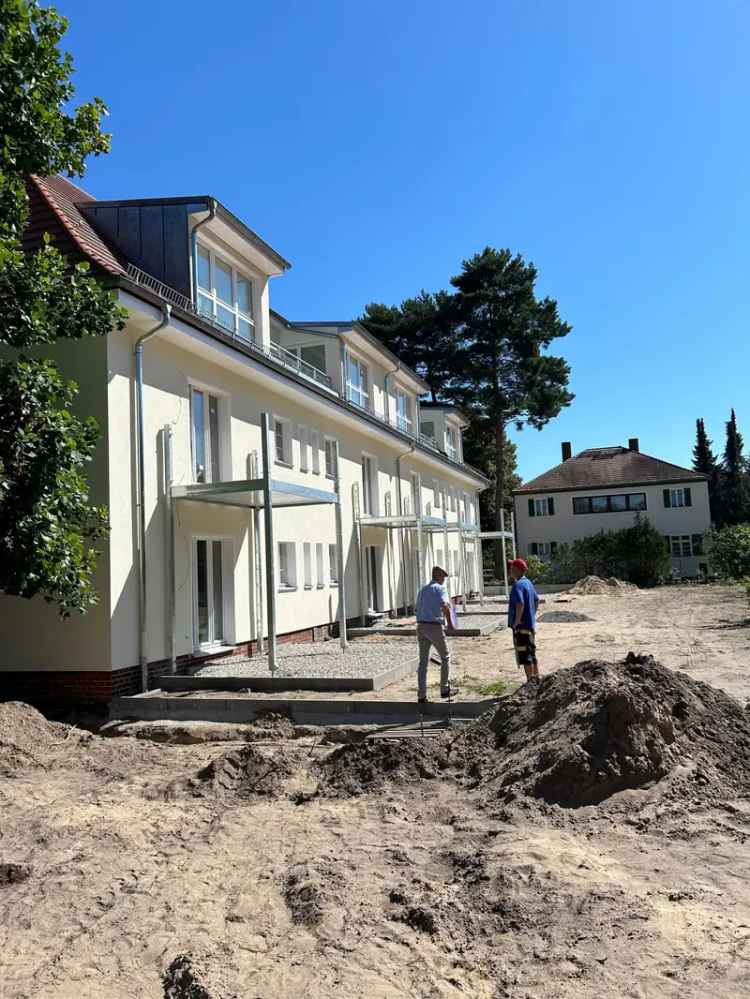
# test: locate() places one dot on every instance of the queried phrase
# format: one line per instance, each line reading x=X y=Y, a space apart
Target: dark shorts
x=524 y=642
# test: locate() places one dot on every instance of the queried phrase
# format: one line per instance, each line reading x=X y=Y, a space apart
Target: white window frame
x=330 y=442
x=288 y=564
x=541 y=507
x=439 y=558
x=369 y=482
x=677 y=497
x=315 y=449
x=333 y=565
x=222 y=423
x=227 y=589
x=286 y=442
x=404 y=420
x=212 y=297
x=307 y=564
x=416 y=492
x=355 y=393
x=436 y=495
x=451 y=442
x=320 y=576
x=304 y=437
x=453 y=500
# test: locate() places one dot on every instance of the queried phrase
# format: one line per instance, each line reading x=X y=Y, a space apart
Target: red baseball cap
x=518 y=563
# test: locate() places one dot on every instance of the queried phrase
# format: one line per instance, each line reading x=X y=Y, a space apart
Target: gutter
x=166 y=311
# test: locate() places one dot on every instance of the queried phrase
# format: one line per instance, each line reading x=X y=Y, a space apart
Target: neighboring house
x=602 y=489
x=224 y=358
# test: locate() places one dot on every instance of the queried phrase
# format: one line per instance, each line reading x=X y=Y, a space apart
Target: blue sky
x=376 y=145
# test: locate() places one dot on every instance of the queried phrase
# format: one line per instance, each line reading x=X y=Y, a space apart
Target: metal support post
x=513 y=535
x=270 y=552
x=340 y=561
x=360 y=556
x=256 y=568
x=505 y=560
x=462 y=554
x=169 y=529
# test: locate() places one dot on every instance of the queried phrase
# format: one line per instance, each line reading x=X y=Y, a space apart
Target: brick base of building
x=55 y=690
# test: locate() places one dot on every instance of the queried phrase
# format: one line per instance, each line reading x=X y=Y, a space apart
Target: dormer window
x=225 y=295
x=451 y=446
x=403 y=411
x=357 y=383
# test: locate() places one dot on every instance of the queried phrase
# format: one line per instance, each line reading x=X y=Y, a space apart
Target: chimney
x=567 y=451
x=633 y=444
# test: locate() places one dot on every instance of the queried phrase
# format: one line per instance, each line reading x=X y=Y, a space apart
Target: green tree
x=734 y=485
x=705 y=461
x=47 y=522
x=479 y=451
x=507 y=378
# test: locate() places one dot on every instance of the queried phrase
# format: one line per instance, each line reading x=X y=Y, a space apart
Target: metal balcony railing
x=275 y=352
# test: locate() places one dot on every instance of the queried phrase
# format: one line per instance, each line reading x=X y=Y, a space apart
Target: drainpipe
x=388 y=374
x=211 y=204
x=166 y=311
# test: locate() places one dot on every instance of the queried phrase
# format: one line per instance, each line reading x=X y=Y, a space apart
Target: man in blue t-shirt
x=522 y=605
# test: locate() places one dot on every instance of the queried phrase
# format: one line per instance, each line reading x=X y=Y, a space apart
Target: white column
x=270 y=551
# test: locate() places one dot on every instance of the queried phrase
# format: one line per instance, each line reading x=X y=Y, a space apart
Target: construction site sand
x=449 y=868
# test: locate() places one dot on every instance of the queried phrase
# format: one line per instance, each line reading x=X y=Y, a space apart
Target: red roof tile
x=605 y=467
x=62 y=196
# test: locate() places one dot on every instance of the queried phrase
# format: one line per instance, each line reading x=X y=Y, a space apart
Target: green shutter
x=550 y=506
x=531 y=508
x=667 y=498
x=688 y=497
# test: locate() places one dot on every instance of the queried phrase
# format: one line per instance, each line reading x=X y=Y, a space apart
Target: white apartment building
x=183 y=572
x=602 y=489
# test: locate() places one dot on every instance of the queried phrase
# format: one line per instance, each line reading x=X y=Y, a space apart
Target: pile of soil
x=186 y=977
x=27 y=739
x=595 y=585
x=303 y=894
x=563 y=617
x=367 y=767
x=242 y=773
x=585 y=733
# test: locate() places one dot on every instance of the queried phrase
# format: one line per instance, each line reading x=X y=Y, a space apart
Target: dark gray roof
x=607 y=467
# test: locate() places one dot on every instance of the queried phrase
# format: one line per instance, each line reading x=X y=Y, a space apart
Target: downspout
x=402 y=532
x=388 y=374
x=166 y=311
x=194 y=248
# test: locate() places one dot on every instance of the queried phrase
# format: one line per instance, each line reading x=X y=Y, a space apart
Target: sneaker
x=449 y=692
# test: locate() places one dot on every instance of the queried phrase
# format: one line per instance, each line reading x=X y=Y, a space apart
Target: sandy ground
x=123 y=873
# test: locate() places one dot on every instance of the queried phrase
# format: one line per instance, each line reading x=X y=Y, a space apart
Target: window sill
x=308 y=586
x=287 y=589
x=334 y=584
x=284 y=464
x=320 y=586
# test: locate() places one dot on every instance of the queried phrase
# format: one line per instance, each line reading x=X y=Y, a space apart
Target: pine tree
x=706 y=462
x=735 y=507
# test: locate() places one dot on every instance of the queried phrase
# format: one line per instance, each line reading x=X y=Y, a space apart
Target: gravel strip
x=308 y=659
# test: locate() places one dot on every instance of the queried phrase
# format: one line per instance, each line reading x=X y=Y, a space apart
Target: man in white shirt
x=433 y=618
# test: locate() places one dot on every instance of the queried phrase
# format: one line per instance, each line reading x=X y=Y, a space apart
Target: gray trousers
x=428 y=635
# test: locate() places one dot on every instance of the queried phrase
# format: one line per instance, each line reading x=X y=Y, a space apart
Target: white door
x=208 y=593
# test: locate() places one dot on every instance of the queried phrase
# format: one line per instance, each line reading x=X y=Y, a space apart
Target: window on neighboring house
x=357 y=383
x=282 y=442
x=543 y=549
x=678 y=497
x=304 y=450
x=630 y=502
x=330 y=446
x=333 y=565
x=403 y=411
x=451 y=448
x=315 y=451
x=307 y=560
x=204 y=422
x=225 y=294
x=544 y=507
x=369 y=486
x=684 y=545
x=287 y=566
x=320 y=581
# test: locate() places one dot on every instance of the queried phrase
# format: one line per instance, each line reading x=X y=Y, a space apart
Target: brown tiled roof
x=53 y=209
x=605 y=467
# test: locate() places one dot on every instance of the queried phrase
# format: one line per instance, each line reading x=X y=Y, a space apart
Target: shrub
x=637 y=554
x=537 y=569
x=729 y=551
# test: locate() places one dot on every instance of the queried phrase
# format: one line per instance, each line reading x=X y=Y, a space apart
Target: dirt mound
x=595 y=585
x=240 y=773
x=563 y=617
x=583 y=734
x=303 y=894
x=27 y=738
x=366 y=767
x=185 y=978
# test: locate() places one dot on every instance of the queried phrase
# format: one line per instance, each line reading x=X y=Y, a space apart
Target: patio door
x=208 y=593
x=372 y=564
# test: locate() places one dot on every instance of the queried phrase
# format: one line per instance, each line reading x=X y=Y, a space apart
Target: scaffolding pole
x=169 y=532
x=360 y=555
x=340 y=564
x=462 y=556
x=270 y=553
x=256 y=568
